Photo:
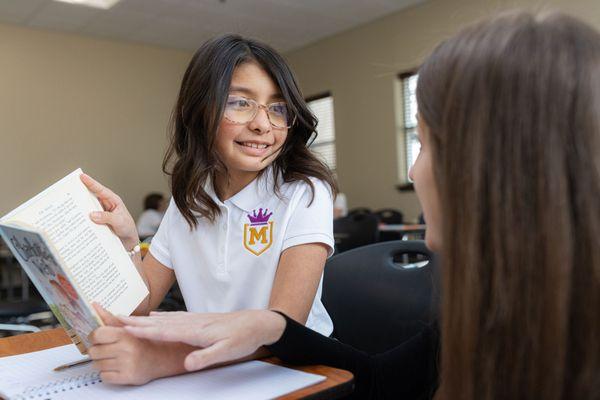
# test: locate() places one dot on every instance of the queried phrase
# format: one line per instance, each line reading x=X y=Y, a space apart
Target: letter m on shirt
x=257 y=239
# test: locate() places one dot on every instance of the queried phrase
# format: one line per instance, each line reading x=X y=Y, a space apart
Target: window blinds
x=409 y=89
x=324 y=144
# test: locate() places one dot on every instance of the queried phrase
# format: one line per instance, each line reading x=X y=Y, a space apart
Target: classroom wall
x=360 y=67
x=68 y=101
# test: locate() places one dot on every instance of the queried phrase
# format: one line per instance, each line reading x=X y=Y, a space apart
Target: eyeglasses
x=240 y=110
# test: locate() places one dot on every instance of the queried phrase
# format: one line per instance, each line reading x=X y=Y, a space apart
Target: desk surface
x=339 y=383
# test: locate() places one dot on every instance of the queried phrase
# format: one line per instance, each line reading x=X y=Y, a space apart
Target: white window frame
x=321 y=140
x=406 y=124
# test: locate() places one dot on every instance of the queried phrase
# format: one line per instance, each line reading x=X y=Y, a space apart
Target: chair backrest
x=376 y=303
x=355 y=230
x=21 y=309
x=359 y=211
x=390 y=216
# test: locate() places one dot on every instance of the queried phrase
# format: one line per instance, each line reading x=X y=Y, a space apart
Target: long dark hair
x=191 y=157
x=512 y=109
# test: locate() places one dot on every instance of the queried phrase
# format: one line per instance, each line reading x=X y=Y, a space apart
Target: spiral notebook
x=31 y=376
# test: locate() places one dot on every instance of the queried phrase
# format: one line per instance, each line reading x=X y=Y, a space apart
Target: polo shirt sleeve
x=312 y=223
x=159 y=247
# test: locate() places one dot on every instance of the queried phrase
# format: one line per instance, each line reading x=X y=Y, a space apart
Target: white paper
x=33 y=373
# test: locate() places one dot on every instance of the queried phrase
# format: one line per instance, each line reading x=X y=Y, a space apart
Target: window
x=324 y=145
x=408 y=122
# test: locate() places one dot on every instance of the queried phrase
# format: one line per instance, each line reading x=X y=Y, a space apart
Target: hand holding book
x=71 y=260
x=115 y=213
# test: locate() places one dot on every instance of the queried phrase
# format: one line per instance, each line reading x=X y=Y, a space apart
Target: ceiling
x=184 y=24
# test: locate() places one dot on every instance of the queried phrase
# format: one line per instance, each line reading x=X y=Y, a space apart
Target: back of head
x=512 y=109
x=153 y=201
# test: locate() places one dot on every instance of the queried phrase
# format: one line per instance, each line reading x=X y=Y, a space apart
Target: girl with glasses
x=509 y=179
x=250 y=222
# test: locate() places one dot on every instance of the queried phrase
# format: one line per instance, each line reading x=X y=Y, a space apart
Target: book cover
x=54 y=283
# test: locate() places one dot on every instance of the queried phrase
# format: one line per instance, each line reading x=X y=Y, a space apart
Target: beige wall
x=360 y=67
x=69 y=101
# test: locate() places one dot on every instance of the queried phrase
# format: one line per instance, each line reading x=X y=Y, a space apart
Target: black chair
x=359 y=211
x=21 y=309
x=173 y=300
x=389 y=216
x=354 y=231
x=376 y=303
x=24 y=316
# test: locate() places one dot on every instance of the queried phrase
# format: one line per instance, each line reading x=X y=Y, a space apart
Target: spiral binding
x=48 y=390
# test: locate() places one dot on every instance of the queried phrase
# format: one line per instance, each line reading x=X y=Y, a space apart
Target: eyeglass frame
x=258 y=107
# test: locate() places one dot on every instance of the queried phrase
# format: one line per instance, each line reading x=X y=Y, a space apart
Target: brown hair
x=152 y=201
x=512 y=109
x=191 y=158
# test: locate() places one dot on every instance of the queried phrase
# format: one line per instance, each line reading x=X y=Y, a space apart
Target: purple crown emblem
x=262 y=218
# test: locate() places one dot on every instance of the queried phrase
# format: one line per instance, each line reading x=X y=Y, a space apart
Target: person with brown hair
x=509 y=180
x=250 y=224
x=149 y=220
x=509 y=116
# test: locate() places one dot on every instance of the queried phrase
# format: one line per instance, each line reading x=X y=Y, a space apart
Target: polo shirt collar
x=253 y=196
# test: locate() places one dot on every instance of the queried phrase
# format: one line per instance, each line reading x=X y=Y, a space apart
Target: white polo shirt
x=148 y=222
x=230 y=264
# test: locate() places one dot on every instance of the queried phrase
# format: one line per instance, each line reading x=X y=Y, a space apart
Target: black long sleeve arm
x=408 y=371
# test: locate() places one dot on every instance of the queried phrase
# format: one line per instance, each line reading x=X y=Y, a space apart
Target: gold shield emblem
x=258 y=238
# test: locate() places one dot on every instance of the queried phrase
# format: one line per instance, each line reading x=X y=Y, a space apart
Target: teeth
x=255 y=145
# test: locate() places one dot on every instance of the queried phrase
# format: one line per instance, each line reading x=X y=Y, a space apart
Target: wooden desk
x=339 y=383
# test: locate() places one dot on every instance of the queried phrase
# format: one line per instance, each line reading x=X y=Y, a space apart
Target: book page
x=93 y=254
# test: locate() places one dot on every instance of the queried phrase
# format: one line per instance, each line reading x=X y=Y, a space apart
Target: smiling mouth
x=253 y=145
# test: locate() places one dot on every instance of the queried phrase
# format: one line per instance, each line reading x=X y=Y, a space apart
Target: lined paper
x=32 y=374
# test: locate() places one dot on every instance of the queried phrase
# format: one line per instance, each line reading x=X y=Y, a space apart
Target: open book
x=71 y=260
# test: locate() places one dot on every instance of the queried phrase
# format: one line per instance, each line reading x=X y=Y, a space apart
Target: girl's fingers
x=106 y=316
x=105 y=335
x=105 y=365
x=137 y=321
x=153 y=320
x=100 y=191
x=113 y=377
x=102 y=217
x=157 y=332
x=215 y=354
x=180 y=317
x=93 y=185
x=144 y=332
x=171 y=313
x=110 y=351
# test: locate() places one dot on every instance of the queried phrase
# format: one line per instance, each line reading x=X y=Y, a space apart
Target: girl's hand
x=223 y=337
x=115 y=213
x=124 y=359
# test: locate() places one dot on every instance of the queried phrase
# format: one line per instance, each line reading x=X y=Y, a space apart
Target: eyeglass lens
x=241 y=110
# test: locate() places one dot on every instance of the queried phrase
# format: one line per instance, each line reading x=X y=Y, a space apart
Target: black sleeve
x=407 y=371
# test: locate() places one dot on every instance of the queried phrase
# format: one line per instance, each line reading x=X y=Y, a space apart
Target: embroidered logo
x=258 y=234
